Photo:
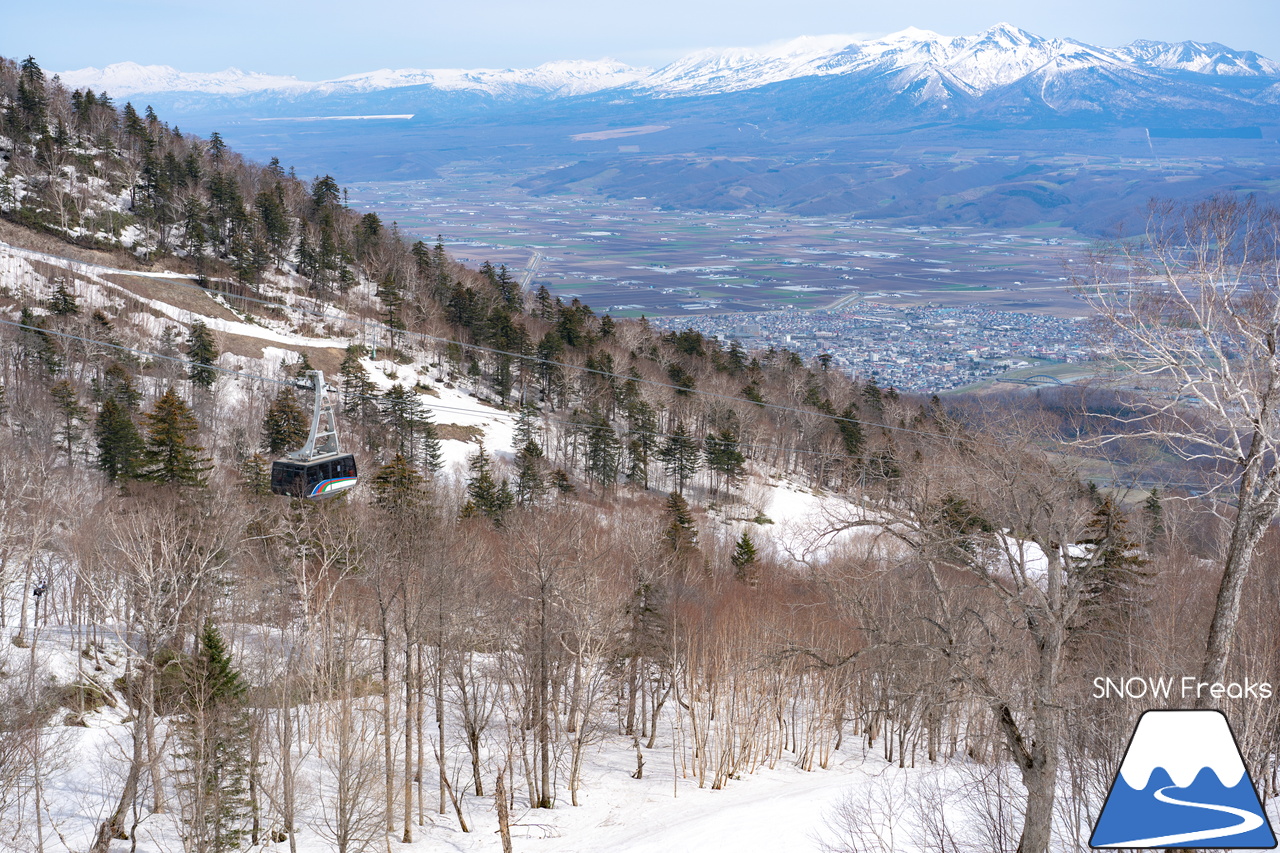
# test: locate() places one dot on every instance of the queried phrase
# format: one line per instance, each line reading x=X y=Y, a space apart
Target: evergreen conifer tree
x=117 y=384
x=255 y=474
x=874 y=398
x=604 y=451
x=642 y=436
x=485 y=494
x=71 y=416
x=63 y=302
x=202 y=351
x=359 y=394
x=403 y=414
x=392 y=295
x=1119 y=574
x=680 y=456
x=744 y=560
x=171 y=454
x=559 y=480
x=545 y=305
x=723 y=455
x=120 y=445
x=285 y=426
x=736 y=356
x=213 y=731
x=397 y=487
x=1154 y=513
x=681 y=533
x=432 y=455
x=302 y=369
x=529 y=482
x=850 y=431
x=37 y=344
x=526 y=425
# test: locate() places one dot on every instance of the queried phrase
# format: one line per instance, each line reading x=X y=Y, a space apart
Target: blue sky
x=317 y=39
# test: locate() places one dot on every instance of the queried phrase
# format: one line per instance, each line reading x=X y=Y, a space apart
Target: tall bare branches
x=1194 y=314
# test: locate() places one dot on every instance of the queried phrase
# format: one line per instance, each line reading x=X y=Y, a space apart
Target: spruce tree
x=213 y=732
x=37 y=345
x=544 y=304
x=526 y=425
x=604 y=451
x=397 y=487
x=1154 y=512
x=255 y=475
x=850 y=431
x=681 y=533
x=723 y=456
x=484 y=493
x=171 y=454
x=1119 y=575
x=63 y=302
x=559 y=480
x=71 y=416
x=403 y=414
x=359 y=394
x=529 y=482
x=432 y=453
x=736 y=356
x=285 y=426
x=202 y=352
x=872 y=395
x=642 y=436
x=120 y=445
x=680 y=456
x=117 y=384
x=744 y=560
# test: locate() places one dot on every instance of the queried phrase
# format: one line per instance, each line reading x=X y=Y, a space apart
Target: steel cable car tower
x=319 y=469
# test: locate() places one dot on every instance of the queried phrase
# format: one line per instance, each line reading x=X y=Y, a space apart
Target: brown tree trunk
x=504 y=819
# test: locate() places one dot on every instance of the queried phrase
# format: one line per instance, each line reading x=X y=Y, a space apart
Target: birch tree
x=1191 y=314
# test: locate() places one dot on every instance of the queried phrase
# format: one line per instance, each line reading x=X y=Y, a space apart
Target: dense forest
x=439 y=645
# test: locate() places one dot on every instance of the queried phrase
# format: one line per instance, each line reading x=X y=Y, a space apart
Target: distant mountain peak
x=913 y=34
x=1015 y=70
x=1009 y=34
x=129 y=78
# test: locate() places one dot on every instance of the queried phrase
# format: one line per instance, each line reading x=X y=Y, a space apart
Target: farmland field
x=629 y=257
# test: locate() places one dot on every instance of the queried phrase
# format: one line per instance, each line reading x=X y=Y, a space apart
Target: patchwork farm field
x=629 y=257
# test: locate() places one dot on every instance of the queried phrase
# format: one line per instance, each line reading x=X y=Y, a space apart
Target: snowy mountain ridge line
x=559 y=78
x=1000 y=55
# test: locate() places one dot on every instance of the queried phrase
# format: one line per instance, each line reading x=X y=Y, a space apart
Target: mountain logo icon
x=1182 y=783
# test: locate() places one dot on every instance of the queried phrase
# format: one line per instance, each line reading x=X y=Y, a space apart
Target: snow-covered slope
x=1199 y=57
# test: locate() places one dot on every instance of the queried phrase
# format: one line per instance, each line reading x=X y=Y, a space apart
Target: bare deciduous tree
x=1192 y=314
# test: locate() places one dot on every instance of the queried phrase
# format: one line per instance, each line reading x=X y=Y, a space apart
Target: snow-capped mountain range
x=1000 y=56
x=561 y=79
